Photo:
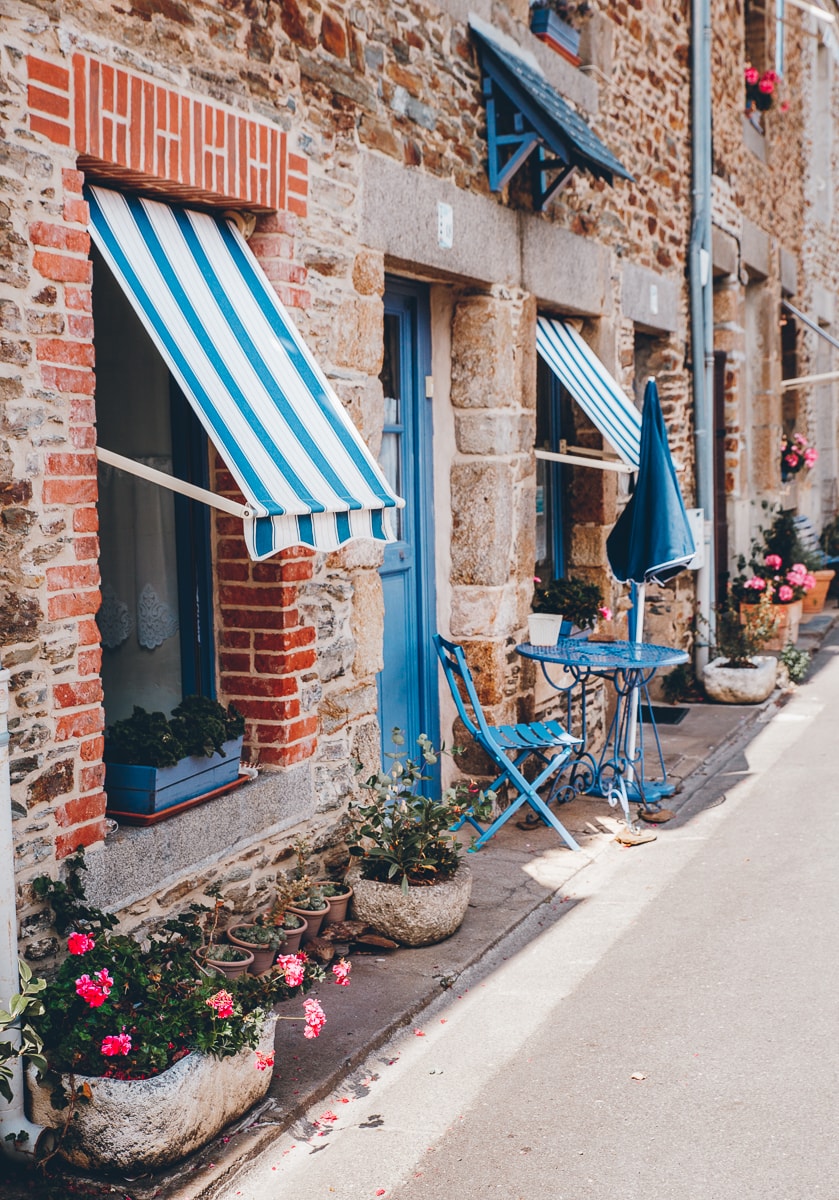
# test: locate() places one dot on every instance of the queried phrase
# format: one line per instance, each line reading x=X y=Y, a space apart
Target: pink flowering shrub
x=797 y=455
x=128 y=1009
x=778 y=567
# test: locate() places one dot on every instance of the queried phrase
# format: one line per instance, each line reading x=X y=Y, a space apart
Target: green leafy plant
x=261 y=934
x=403 y=836
x=24 y=1006
x=680 y=684
x=575 y=599
x=198 y=726
x=128 y=1009
x=738 y=641
x=797 y=662
x=226 y=954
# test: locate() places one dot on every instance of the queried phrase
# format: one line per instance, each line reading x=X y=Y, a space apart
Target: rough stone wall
x=765 y=199
x=399 y=80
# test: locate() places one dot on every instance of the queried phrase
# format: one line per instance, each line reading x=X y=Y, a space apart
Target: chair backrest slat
x=456 y=669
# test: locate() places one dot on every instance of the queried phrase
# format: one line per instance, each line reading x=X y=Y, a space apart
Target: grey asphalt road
x=673 y=1034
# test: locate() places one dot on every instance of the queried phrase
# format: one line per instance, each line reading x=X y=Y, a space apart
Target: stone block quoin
x=133 y=132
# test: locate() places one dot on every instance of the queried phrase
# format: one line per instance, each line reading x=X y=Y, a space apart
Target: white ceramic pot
x=137 y=1124
x=424 y=916
x=740 y=685
x=543 y=628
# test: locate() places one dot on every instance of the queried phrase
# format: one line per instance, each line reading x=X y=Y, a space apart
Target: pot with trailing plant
x=409 y=879
x=739 y=673
x=574 y=600
x=155 y=766
x=149 y=1051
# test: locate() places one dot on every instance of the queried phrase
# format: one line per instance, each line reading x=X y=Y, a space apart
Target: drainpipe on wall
x=12 y=1117
x=702 y=310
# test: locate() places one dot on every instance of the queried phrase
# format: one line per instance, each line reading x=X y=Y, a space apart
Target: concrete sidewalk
x=518 y=872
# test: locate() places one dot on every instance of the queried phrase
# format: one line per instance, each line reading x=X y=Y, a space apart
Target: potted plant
x=154 y=764
x=796 y=455
x=575 y=600
x=261 y=938
x=150 y=1053
x=338 y=895
x=739 y=674
x=313 y=906
x=411 y=883
x=779 y=568
x=292 y=925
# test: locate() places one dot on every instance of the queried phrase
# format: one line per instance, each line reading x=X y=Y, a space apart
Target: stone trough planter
x=740 y=685
x=424 y=916
x=138 y=1124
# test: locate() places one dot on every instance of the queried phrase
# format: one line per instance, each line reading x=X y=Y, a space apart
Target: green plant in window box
x=198 y=726
x=577 y=600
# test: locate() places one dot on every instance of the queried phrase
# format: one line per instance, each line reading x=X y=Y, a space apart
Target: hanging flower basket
x=796 y=455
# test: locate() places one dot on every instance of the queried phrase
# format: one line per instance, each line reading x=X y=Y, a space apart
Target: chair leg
x=539 y=806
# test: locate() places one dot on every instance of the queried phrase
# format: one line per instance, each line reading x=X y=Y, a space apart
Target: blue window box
x=146 y=791
x=556 y=33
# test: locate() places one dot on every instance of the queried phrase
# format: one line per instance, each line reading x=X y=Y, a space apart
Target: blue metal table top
x=604 y=656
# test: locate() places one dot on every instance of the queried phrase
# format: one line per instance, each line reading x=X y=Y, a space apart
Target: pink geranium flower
x=341 y=971
x=264 y=1061
x=80 y=943
x=605 y=612
x=293 y=967
x=94 y=993
x=756 y=584
x=791 y=459
x=785 y=593
x=752 y=75
x=222 y=1002
x=773 y=561
x=114 y=1044
x=811 y=456
x=315 y=1018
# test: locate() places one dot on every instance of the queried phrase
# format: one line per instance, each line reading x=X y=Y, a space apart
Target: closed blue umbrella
x=652 y=540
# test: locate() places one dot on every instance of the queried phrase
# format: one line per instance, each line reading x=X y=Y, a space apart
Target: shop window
x=156 y=613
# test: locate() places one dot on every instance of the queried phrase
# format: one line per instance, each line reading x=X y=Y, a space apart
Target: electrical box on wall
x=696 y=520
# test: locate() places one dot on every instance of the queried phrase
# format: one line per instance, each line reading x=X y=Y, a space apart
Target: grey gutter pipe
x=702 y=310
x=37 y=1140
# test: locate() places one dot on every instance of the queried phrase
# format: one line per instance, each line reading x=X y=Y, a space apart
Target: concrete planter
x=424 y=916
x=740 y=685
x=543 y=628
x=138 y=1124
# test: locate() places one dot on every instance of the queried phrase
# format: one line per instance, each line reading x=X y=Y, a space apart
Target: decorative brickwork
x=149 y=137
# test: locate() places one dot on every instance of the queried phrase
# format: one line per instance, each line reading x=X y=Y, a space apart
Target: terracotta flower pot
x=787 y=619
x=314 y=918
x=263 y=956
x=294 y=937
x=338 y=906
x=815 y=600
x=231 y=969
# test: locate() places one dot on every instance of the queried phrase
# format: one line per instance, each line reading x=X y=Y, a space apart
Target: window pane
x=138 y=620
x=390 y=460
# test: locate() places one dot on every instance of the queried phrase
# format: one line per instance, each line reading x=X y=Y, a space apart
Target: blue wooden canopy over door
x=408 y=692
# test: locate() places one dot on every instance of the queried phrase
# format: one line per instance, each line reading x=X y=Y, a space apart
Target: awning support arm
x=174 y=485
x=802 y=380
x=579 y=460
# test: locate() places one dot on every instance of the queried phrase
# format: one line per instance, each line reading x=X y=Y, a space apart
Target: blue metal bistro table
x=619 y=772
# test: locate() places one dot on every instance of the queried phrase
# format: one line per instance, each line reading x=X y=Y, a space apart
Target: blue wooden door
x=408 y=697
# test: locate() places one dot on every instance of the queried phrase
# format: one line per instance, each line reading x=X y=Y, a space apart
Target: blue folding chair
x=501 y=742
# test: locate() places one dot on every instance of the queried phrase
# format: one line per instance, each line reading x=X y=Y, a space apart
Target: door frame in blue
x=410 y=302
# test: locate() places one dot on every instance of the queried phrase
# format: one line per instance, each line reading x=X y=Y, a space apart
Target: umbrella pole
x=638 y=594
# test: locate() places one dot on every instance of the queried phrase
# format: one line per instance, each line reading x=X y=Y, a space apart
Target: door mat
x=665 y=714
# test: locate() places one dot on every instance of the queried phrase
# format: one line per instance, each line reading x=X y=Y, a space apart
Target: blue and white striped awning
x=598 y=394
x=305 y=473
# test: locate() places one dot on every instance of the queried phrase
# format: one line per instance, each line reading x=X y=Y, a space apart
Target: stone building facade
x=349 y=131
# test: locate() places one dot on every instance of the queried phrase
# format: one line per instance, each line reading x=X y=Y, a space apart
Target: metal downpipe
x=702 y=312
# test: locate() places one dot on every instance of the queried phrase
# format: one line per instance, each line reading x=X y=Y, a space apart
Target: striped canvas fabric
x=591 y=385
x=306 y=475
